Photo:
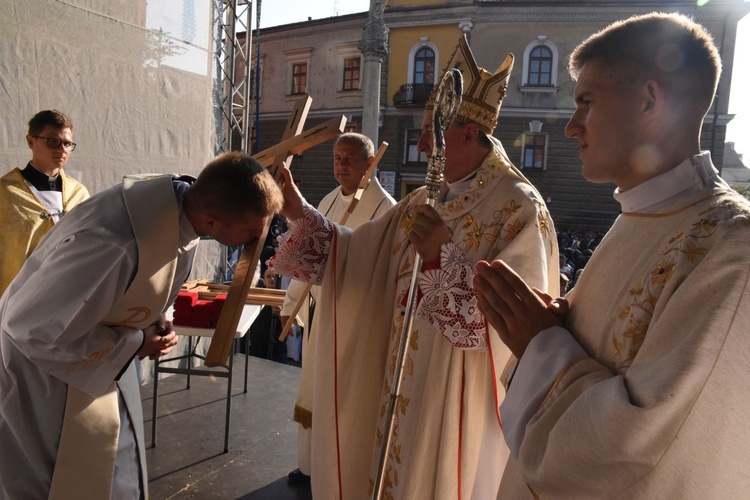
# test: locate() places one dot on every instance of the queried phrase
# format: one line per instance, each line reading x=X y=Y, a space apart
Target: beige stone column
x=374 y=48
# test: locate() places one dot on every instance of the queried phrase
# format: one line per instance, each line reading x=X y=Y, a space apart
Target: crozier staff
x=485 y=208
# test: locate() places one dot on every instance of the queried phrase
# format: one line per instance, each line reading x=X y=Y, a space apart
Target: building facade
x=320 y=58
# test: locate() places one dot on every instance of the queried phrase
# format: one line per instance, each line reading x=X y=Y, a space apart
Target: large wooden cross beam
x=294 y=141
x=349 y=210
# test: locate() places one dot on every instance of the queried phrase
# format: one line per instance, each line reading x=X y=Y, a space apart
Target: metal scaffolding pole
x=231 y=86
x=232 y=70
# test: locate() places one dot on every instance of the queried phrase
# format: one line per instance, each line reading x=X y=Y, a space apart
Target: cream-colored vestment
x=656 y=404
x=374 y=202
x=448 y=441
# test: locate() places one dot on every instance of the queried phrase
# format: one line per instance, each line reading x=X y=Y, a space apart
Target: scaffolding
x=232 y=66
x=232 y=90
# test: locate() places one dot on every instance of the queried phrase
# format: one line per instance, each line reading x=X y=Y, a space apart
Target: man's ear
x=471 y=132
x=653 y=99
x=206 y=223
x=29 y=141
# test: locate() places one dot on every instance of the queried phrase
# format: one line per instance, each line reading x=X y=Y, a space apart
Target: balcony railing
x=412 y=94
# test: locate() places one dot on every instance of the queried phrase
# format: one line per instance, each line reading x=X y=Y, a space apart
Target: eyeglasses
x=53 y=143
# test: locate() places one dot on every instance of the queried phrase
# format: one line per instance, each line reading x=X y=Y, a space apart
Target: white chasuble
x=374 y=202
x=70 y=326
x=448 y=441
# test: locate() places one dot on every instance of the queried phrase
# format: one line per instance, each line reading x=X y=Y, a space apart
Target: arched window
x=540 y=60
x=424 y=66
x=540 y=66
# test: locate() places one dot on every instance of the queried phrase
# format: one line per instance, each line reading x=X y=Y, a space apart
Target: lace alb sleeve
x=303 y=250
x=450 y=303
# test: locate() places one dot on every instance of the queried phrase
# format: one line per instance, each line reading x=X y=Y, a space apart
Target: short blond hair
x=670 y=48
x=233 y=184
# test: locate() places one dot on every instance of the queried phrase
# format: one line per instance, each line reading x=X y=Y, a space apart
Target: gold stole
x=85 y=463
x=22 y=224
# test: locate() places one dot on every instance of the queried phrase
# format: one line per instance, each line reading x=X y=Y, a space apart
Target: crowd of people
x=576 y=248
x=627 y=380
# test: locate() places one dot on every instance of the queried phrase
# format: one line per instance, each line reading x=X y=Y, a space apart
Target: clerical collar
x=180 y=184
x=458 y=187
x=693 y=174
x=40 y=180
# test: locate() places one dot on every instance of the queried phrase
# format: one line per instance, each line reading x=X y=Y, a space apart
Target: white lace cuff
x=303 y=250
x=450 y=302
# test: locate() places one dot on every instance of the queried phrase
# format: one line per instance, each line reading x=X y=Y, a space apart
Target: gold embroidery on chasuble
x=138 y=314
x=545 y=221
x=406 y=221
x=402 y=250
x=402 y=401
x=94 y=357
x=681 y=254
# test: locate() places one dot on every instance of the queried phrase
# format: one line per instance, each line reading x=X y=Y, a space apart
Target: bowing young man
x=87 y=301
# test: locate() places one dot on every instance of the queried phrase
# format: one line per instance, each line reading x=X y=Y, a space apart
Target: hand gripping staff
x=349 y=210
x=447 y=101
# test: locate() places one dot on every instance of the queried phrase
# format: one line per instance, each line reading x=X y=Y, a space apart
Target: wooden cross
x=349 y=210
x=293 y=141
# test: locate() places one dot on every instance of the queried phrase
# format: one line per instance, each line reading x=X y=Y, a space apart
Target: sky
x=739 y=99
x=276 y=12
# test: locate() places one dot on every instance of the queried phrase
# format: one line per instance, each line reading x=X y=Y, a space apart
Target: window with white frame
x=534 y=151
x=540 y=66
x=540 y=61
x=424 y=66
x=423 y=63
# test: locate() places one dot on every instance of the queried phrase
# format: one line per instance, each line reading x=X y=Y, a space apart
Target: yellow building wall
x=402 y=40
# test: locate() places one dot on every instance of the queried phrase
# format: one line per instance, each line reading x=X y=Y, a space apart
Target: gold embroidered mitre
x=483 y=91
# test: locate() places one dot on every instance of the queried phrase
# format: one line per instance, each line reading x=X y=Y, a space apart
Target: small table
x=249 y=313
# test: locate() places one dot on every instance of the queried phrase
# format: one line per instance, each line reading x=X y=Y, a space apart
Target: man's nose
x=424 y=144
x=573 y=128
